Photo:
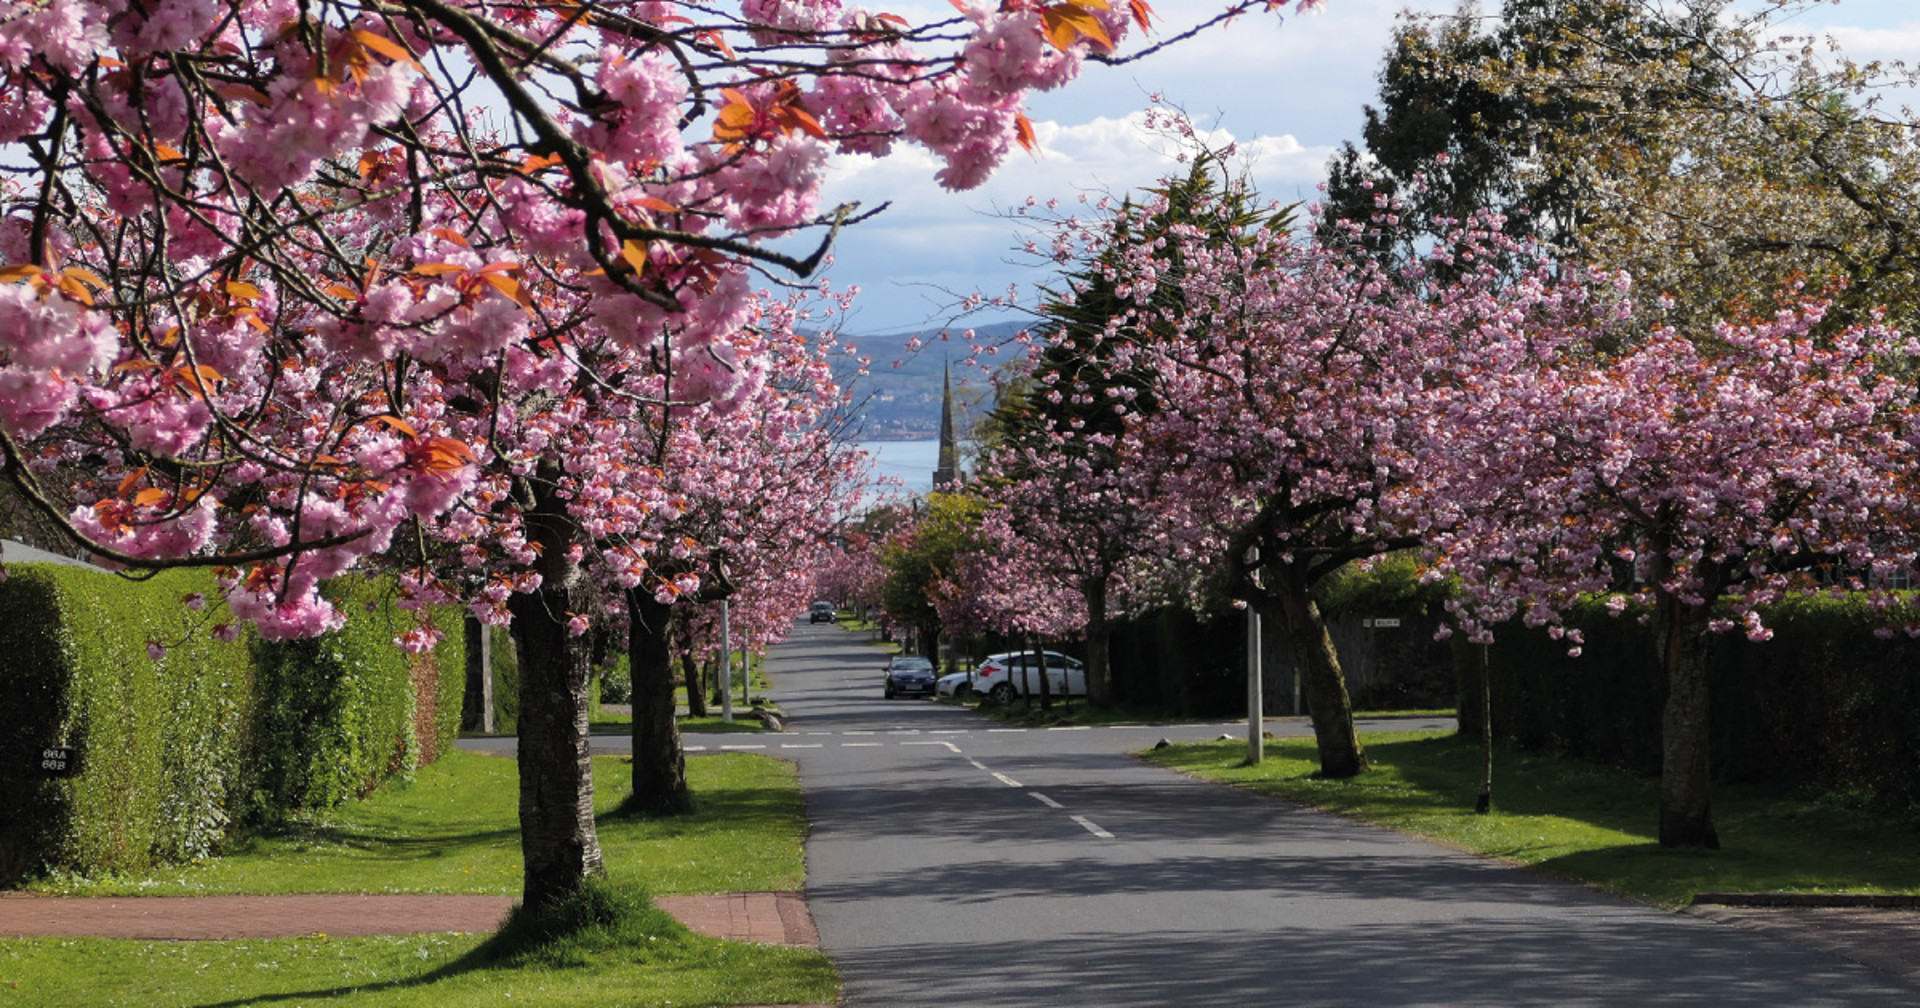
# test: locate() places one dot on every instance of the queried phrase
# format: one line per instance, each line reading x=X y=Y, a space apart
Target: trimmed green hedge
x=1828 y=704
x=177 y=752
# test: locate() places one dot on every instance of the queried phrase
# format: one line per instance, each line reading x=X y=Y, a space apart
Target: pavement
x=773 y=918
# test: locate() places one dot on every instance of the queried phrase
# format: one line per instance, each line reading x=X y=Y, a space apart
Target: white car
x=954 y=684
x=1012 y=674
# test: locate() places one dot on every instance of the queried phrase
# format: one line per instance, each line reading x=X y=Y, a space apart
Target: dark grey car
x=909 y=676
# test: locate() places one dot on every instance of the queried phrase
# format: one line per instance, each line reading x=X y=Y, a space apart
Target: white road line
x=1088 y=825
x=904 y=731
x=1004 y=779
x=802 y=745
x=726 y=747
x=858 y=733
x=861 y=745
x=949 y=745
x=1044 y=800
x=977 y=765
x=1006 y=729
x=1078 y=727
x=693 y=748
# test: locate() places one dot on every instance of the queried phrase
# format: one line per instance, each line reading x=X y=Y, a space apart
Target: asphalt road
x=953 y=862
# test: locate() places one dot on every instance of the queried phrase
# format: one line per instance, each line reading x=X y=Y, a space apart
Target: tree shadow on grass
x=601 y=919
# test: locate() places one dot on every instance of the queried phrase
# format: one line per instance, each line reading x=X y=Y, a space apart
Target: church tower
x=948 y=469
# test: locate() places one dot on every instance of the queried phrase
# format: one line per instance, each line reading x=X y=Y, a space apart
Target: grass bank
x=1579 y=821
x=453 y=829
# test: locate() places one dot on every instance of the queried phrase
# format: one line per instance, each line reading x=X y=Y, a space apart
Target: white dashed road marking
x=1004 y=779
x=1088 y=825
x=1044 y=800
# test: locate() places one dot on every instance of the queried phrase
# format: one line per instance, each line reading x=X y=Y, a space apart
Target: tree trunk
x=1686 y=781
x=1324 y=684
x=1484 y=804
x=1099 y=655
x=559 y=843
x=659 y=763
x=696 y=692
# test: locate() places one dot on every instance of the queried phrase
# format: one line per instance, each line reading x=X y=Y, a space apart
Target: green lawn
x=1581 y=821
x=452 y=829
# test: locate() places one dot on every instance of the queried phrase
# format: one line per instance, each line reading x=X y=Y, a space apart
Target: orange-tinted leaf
x=509 y=286
x=132 y=479
x=437 y=269
x=136 y=364
x=86 y=276
x=796 y=115
x=150 y=497
x=635 y=255
x=241 y=92
x=451 y=235
x=343 y=292
x=22 y=271
x=75 y=290
x=1067 y=23
x=1141 y=13
x=445 y=454
x=538 y=162
x=240 y=290
x=396 y=423
x=1023 y=133
x=385 y=47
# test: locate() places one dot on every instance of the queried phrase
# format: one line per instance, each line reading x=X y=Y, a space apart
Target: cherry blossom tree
x=1693 y=479
x=287 y=278
x=1295 y=390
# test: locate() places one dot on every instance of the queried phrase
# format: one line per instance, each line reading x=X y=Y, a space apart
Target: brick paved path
x=769 y=918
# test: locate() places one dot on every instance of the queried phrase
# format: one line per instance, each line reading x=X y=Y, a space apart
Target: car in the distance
x=822 y=612
x=1012 y=674
x=909 y=675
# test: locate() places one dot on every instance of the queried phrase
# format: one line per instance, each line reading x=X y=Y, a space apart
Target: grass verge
x=453 y=829
x=1580 y=821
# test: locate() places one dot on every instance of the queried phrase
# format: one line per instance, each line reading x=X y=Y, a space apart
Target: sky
x=1288 y=90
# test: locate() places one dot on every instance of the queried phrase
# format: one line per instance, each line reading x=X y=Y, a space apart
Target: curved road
x=953 y=862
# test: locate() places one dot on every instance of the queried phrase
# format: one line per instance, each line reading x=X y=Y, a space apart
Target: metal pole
x=1256 y=693
x=726 y=665
x=746 y=668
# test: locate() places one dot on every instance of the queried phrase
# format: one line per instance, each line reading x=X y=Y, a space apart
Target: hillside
x=899 y=398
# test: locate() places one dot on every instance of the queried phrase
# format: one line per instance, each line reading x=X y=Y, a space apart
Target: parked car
x=908 y=675
x=955 y=685
x=822 y=612
x=1013 y=674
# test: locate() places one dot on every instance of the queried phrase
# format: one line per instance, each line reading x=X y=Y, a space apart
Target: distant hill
x=899 y=398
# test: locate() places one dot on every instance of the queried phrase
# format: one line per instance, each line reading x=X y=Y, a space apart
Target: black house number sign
x=59 y=761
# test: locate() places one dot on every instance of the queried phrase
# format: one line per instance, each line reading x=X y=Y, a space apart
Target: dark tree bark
x=559 y=843
x=1099 y=655
x=659 y=762
x=1484 y=804
x=696 y=692
x=1686 y=779
x=1321 y=679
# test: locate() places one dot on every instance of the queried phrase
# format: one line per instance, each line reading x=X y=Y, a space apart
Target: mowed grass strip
x=453 y=829
x=1580 y=821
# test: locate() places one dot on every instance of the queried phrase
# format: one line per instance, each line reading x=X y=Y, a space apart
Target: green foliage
x=162 y=743
x=1389 y=585
x=615 y=681
x=342 y=716
x=914 y=563
x=180 y=751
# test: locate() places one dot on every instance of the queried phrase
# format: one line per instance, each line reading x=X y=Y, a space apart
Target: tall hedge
x=178 y=751
x=1829 y=704
x=164 y=743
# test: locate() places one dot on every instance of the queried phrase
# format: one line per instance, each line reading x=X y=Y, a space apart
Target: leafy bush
x=183 y=738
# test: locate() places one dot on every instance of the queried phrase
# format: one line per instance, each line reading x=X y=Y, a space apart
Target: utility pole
x=1256 y=670
x=726 y=665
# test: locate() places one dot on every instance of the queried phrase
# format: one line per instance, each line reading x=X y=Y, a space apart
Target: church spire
x=948 y=469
